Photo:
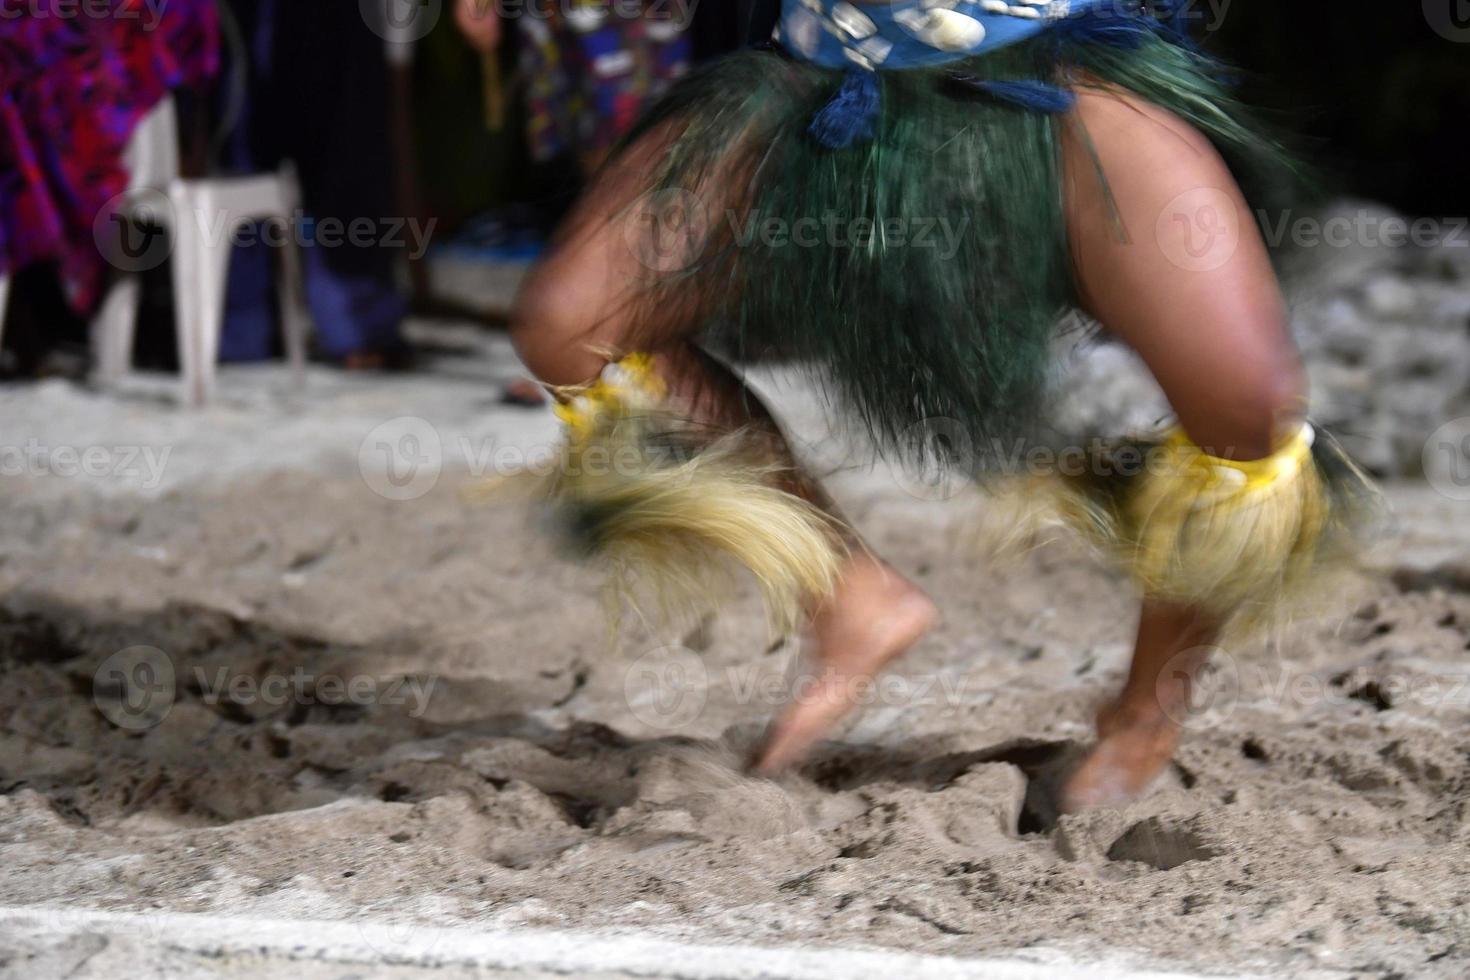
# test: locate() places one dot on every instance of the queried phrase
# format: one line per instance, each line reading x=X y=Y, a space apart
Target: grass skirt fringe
x=921 y=273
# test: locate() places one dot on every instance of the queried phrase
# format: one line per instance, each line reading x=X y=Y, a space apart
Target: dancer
x=774 y=201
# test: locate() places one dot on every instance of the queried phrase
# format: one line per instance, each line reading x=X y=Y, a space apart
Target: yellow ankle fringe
x=667 y=509
x=1226 y=535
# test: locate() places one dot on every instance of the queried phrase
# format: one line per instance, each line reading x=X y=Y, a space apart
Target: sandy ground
x=264 y=679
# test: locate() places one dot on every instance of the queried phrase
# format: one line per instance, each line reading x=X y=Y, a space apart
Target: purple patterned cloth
x=76 y=76
x=592 y=69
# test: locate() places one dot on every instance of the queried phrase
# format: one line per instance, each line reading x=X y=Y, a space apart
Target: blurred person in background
x=317 y=95
x=590 y=70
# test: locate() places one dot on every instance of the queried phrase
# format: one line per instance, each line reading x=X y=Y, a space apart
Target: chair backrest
x=152 y=156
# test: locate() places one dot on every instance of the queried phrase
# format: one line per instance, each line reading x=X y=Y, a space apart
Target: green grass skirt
x=922 y=273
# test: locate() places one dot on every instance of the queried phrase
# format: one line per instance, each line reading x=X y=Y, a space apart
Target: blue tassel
x=851 y=115
x=1036 y=96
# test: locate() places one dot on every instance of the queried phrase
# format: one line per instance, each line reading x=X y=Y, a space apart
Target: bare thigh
x=1174 y=265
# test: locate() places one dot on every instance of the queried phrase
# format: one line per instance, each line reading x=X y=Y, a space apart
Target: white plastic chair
x=202 y=215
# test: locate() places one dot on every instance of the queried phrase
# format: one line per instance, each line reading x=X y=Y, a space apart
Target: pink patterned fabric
x=76 y=76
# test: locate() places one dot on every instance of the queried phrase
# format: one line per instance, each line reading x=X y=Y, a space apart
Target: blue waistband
x=913 y=33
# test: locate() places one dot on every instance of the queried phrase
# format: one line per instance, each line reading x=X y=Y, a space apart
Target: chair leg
x=113 y=329
x=295 y=319
x=200 y=267
x=4 y=301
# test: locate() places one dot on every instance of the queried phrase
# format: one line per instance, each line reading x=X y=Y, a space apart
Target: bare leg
x=575 y=311
x=1213 y=334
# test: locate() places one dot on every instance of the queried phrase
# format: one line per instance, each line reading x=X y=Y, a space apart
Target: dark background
x=1381 y=99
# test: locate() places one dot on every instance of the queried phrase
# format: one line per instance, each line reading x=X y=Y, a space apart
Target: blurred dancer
x=796 y=199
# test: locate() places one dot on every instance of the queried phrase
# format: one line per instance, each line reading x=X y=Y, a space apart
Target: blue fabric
x=352 y=310
x=852 y=113
x=918 y=33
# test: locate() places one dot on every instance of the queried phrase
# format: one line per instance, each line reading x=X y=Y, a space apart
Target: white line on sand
x=569 y=953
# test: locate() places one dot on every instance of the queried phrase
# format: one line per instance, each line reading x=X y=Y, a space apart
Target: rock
x=1391 y=296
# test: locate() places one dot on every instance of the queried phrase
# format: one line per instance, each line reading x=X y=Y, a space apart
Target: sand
x=406 y=718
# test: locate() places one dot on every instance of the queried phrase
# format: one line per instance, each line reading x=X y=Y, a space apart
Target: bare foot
x=364 y=360
x=875 y=615
x=1134 y=747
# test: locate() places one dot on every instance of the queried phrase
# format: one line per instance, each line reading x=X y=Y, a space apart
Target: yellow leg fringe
x=1222 y=533
x=1237 y=538
x=668 y=510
